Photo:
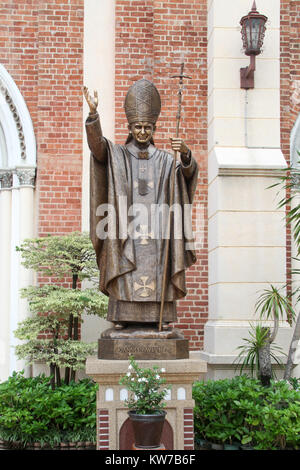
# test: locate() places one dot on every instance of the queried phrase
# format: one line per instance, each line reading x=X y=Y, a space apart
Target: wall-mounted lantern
x=253 y=32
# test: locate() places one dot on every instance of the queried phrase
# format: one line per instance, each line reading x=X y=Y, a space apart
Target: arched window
x=16 y=131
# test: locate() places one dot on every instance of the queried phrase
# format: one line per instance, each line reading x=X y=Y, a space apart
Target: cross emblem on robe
x=146 y=288
x=150 y=184
x=143 y=234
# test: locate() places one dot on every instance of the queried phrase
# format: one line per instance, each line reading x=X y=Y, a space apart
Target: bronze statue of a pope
x=132 y=182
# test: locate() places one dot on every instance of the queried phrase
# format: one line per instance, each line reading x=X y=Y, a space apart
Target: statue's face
x=142 y=131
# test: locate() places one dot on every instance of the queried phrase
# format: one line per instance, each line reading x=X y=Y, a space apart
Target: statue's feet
x=125 y=330
x=119 y=326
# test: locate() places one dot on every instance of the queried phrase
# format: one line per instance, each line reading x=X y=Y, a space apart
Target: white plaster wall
x=227 y=125
x=26 y=277
x=242 y=194
x=99 y=74
x=14 y=278
x=246 y=232
x=5 y=240
x=222 y=338
x=17 y=223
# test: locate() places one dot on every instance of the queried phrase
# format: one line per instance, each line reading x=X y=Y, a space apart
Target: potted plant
x=145 y=403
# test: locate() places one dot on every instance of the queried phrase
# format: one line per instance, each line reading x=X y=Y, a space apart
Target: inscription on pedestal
x=143 y=348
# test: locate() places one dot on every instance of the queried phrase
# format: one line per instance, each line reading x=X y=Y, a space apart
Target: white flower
x=157 y=376
x=142 y=379
x=128 y=374
x=163 y=370
x=130 y=367
x=132 y=380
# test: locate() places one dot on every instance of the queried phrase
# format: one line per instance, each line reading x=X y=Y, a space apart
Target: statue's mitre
x=142 y=102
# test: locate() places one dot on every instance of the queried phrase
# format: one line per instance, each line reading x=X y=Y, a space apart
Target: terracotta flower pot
x=147 y=429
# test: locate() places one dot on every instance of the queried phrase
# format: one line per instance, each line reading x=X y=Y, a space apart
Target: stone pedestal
x=142 y=348
x=113 y=426
x=142 y=342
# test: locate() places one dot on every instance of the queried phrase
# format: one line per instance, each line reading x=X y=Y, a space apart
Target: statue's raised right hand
x=92 y=101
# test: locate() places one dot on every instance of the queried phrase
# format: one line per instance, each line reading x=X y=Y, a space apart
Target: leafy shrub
x=295 y=383
x=241 y=409
x=30 y=411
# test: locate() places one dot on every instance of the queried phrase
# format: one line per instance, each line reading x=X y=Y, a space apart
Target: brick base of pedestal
x=114 y=431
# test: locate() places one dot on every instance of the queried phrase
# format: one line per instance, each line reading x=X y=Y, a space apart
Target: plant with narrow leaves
x=289 y=184
x=272 y=304
x=248 y=357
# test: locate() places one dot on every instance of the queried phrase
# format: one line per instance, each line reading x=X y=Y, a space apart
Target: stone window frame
x=18 y=136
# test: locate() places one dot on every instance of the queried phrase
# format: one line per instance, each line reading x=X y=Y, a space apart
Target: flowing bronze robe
x=131 y=269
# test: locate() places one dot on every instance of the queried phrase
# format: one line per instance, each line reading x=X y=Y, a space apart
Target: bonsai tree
x=52 y=333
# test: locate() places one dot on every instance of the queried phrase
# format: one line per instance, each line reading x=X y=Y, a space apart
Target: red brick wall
x=42 y=48
x=19 y=48
x=289 y=84
x=290 y=72
x=152 y=38
x=60 y=115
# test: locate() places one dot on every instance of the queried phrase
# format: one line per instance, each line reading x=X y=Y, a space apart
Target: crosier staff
x=181 y=76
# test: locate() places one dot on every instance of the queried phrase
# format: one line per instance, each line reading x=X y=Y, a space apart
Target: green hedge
x=242 y=410
x=30 y=411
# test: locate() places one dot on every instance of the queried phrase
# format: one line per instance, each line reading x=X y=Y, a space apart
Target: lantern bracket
x=253 y=31
x=247 y=74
